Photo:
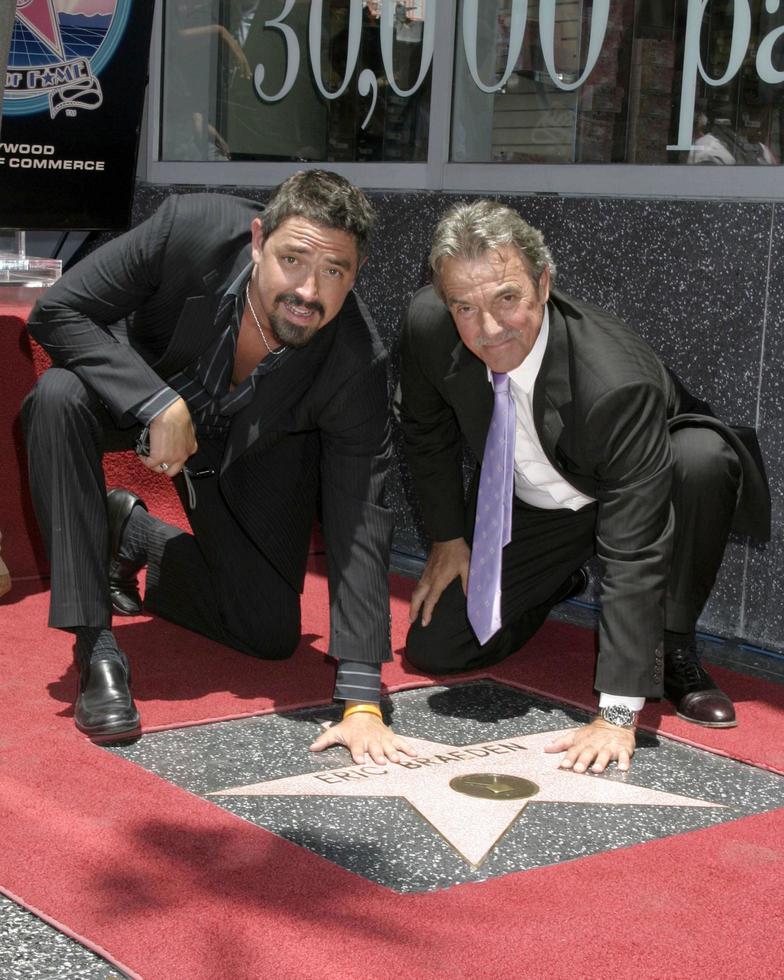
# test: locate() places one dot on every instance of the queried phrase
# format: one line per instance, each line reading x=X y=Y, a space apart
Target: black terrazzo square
x=436 y=836
x=764 y=574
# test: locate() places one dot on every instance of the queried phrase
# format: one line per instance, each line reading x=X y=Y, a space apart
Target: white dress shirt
x=537 y=482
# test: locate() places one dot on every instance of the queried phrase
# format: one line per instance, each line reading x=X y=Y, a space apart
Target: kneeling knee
x=56 y=389
x=57 y=394
x=703 y=458
x=265 y=643
x=274 y=651
x=427 y=656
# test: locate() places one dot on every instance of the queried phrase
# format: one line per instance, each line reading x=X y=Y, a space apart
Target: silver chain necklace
x=275 y=353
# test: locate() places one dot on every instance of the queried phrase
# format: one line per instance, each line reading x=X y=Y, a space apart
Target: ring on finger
x=164 y=467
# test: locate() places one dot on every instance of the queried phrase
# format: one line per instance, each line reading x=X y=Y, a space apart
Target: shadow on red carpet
x=170 y=886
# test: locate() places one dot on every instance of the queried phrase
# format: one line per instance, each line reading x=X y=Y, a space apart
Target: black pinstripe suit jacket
x=146 y=304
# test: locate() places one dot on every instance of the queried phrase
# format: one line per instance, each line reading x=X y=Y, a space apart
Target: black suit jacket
x=603 y=407
x=146 y=304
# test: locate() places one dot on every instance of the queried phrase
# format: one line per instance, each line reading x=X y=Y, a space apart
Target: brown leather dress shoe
x=105 y=710
x=694 y=693
x=123 y=583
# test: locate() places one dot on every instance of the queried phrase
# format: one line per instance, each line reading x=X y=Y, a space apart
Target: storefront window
x=282 y=80
x=619 y=81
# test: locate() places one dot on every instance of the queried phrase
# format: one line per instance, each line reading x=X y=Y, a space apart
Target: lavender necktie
x=493 y=528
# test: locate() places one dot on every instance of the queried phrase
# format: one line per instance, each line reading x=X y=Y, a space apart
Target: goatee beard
x=292 y=334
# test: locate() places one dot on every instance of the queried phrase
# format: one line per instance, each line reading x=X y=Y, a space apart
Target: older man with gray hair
x=586 y=445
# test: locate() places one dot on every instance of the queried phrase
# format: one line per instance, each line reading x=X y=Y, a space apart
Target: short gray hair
x=325 y=198
x=467 y=231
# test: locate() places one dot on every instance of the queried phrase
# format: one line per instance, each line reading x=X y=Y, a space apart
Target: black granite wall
x=703 y=282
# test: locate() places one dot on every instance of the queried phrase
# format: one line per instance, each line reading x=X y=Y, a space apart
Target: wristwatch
x=617 y=714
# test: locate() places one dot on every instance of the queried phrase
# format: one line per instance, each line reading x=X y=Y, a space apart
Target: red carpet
x=199 y=680
x=171 y=886
x=22 y=361
x=22 y=550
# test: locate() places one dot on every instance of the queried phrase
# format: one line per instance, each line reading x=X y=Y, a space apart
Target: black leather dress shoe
x=579 y=583
x=694 y=693
x=104 y=707
x=123 y=583
x=575 y=585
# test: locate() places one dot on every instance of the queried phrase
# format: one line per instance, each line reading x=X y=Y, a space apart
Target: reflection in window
x=511 y=105
x=239 y=82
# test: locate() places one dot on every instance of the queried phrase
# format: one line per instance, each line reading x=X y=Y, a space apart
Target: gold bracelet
x=371 y=709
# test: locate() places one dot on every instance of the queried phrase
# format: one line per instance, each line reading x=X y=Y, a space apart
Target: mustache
x=484 y=342
x=293 y=300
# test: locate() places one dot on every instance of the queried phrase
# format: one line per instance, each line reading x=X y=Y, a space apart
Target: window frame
x=745 y=183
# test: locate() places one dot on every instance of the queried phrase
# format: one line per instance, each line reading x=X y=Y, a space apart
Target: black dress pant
x=547 y=546
x=214 y=581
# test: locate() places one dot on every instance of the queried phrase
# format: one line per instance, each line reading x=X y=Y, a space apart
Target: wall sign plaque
x=72 y=105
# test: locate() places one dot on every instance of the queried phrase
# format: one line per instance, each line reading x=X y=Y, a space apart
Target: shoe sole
x=109 y=734
x=708 y=724
x=124 y=612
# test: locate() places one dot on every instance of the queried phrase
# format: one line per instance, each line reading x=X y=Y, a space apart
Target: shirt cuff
x=358 y=682
x=609 y=700
x=152 y=407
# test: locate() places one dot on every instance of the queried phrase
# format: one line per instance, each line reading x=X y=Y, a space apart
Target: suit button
x=658 y=664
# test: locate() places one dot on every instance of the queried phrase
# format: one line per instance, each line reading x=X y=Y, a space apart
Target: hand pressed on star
x=472 y=825
x=595 y=746
x=364 y=735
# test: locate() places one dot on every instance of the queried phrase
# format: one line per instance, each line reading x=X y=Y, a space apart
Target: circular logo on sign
x=58 y=50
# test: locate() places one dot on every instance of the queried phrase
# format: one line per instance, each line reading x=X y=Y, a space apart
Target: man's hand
x=447 y=561
x=172 y=440
x=364 y=734
x=595 y=746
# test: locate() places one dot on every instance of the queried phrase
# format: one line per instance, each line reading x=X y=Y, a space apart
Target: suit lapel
x=203 y=316
x=553 y=390
x=471 y=395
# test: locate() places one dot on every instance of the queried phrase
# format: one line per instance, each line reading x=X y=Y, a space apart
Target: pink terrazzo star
x=472 y=826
